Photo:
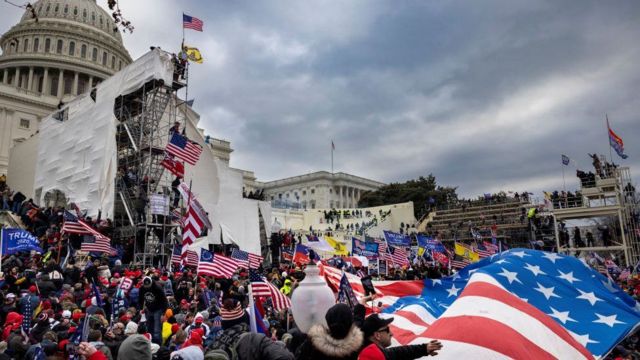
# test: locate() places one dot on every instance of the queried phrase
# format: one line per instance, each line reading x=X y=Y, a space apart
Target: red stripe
x=401 y=288
x=412 y=317
x=493 y=292
x=402 y=335
x=486 y=333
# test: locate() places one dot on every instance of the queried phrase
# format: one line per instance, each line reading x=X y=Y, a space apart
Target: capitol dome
x=72 y=46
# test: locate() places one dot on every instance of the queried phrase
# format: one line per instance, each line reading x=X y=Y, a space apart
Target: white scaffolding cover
x=78 y=155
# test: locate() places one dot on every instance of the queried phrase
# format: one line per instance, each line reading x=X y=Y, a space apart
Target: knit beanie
x=339 y=320
x=131 y=329
x=232 y=315
x=135 y=347
x=188 y=353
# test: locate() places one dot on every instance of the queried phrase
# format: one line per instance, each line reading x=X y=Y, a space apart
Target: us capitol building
x=71 y=47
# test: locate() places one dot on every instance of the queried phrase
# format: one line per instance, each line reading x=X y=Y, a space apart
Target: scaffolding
x=611 y=197
x=145 y=118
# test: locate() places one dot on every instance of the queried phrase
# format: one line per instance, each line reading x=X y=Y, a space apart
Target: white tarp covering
x=78 y=155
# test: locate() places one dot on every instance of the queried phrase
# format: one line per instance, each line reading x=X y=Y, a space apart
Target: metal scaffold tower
x=613 y=198
x=143 y=197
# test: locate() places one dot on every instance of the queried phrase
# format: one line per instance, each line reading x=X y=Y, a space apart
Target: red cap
x=33 y=288
x=175 y=328
x=72 y=329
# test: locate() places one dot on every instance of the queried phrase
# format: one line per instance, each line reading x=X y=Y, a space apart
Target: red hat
x=72 y=329
x=125 y=318
x=33 y=289
x=175 y=328
x=77 y=316
x=116 y=275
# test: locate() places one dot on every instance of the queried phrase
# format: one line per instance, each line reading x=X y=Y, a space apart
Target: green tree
x=420 y=191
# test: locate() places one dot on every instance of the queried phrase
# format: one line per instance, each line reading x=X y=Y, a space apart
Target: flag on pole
x=191 y=22
x=93 y=240
x=333 y=146
x=192 y=54
x=565 y=160
x=216 y=265
x=262 y=288
x=287 y=254
x=183 y=148
x=247 y=259
x=346 y=294
x=175 y=167
x=616 y=142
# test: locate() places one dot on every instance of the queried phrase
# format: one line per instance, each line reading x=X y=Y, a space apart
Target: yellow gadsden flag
x=466 y=252
x=192 y=54
x=340 y=248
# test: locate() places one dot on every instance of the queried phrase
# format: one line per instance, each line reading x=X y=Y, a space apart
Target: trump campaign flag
x=363 y=248
x=395 y=239
x=18 y=240
x=519 y=303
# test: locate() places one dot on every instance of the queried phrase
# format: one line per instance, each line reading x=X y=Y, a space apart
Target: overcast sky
x=486 y=95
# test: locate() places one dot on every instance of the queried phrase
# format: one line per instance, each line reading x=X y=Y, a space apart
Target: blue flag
x=591 y=307
x=429 y=243
x=395 y=239
x=346 y=294
x=17 y=240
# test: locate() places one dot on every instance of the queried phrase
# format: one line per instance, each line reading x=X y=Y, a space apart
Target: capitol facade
x=69 y=48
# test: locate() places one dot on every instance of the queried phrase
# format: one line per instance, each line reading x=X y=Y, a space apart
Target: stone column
x=74 y=90
x=5 y=77
x=16 y=81
x=30 y=81
x=60 y=84
x=90 y=82
x=45 y=82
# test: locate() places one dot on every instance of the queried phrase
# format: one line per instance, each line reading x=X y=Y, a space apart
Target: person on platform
x=378 y=339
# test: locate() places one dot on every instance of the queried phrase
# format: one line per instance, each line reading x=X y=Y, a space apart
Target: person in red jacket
x=378 y=339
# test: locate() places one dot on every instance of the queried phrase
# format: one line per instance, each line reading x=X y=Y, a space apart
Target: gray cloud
x=484 y=95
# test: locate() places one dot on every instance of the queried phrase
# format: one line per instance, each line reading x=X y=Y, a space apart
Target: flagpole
x=252 y=310
x=608 y=137
x=564 y=184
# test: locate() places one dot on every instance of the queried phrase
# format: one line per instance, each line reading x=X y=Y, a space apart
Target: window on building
x=313 y=204
x=280 y=196
x=55 y=10
x=26 y=45
x=72 y=48
x=83 y=51
x=120 y=65
x=313 y=191
x=304 y=192
x=68 y=84
x=287 y=195
x=113 y=62
x=104 y=58
x=59 y=47
x=93 y=17
x=66 y=9
x=330 y=191
x=75 y=11
x=84 y=13
x=47 y=45
x=272 y=197
x=94 y=55
x=25 y=123
x=48 y=8
x=36 y=44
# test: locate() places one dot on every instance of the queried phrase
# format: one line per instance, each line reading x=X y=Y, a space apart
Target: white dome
x=82 y=11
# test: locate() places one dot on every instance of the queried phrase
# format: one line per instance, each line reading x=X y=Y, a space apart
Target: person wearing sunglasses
x=378 y=334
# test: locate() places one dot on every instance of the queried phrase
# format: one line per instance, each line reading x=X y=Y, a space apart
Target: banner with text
x=17 y=240
x=395 y=239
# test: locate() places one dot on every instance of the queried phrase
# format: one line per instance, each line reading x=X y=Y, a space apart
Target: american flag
x=545 y=304
x=483 y=252
x=176 y=254
x=491 y=247
x=261 y=287
x=174 y=166
x=216 y=265
x=93 y=241
x=190 y=22
x=247 y=259
x=383 y=252
x=190 y=256
x=459 y=264
x=399 y=256
x=182 y=148
x=191 y=229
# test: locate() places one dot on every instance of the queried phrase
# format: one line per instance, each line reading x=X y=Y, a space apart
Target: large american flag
x=519 y=303
x=247 y=259
x=216 y=265
x=182 y=148
x=93 y=241
x=260 y=287
x=190 y=22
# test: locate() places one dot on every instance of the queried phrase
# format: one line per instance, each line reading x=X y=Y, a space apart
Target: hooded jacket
x=252 y=346
x=321 y=345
